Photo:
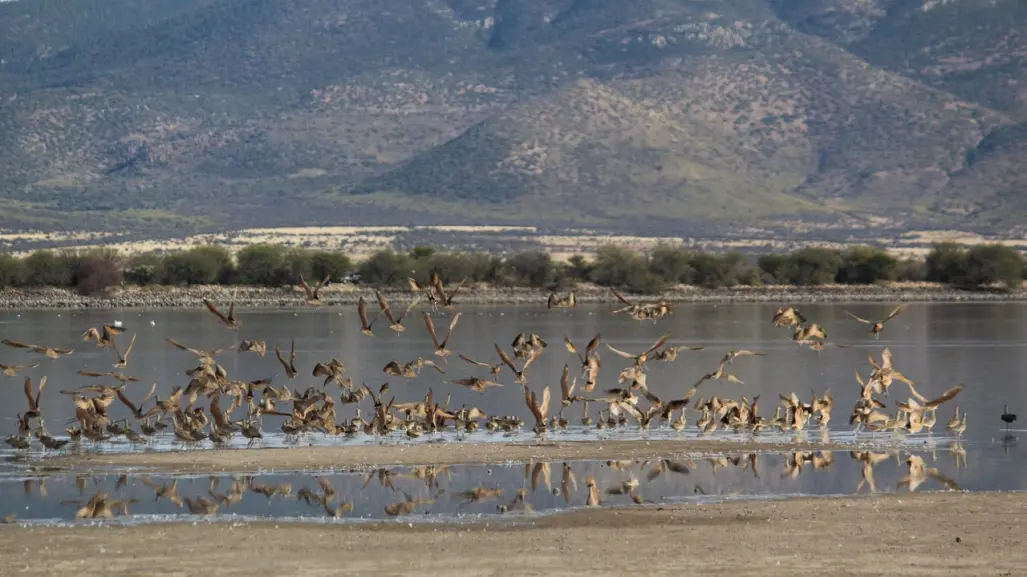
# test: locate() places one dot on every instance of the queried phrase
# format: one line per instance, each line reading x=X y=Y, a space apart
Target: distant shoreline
x=347 y=295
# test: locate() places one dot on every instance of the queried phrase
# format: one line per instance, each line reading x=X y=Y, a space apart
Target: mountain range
x=171 y=116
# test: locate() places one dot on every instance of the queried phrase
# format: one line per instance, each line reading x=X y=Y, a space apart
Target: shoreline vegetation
x=269 y=276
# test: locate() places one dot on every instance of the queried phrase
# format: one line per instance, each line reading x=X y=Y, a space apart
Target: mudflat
x=306 y=458
x=921 y=534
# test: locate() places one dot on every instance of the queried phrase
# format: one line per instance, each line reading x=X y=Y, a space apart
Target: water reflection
x=471 y=491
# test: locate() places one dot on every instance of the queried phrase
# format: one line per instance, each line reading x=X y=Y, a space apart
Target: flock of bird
x=314 y=409
x=426 y=485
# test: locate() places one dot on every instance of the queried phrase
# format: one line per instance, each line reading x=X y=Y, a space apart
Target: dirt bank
x=346 y=295
x=303 y=458
x=896 y=535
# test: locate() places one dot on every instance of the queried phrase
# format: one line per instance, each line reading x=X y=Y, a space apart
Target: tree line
x=93 y=271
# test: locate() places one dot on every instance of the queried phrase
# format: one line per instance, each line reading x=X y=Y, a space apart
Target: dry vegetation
x=360 y=242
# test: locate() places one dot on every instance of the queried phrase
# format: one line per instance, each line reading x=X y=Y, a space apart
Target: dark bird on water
x=1007 y=417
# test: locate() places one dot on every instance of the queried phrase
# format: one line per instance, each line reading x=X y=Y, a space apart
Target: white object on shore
x=153 y=324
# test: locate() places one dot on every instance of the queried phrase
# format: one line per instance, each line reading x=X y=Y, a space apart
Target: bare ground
x=303 y=458
x=920 y=534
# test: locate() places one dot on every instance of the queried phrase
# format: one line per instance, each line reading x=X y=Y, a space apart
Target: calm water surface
x=937 y=345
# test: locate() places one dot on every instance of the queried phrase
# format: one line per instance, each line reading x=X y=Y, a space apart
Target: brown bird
x=394 y=323
x=564 y=301
x=206 y=357
x=429 y=292
x=12 y=370
x=137 y=410
x=123 y=358
x=290 y=366
x=48 y=352
x=331 y=371
x=494 y=370
x=365 y=327
x=440 y=292
x=539 y=407
x=475 y=384
x=877 y=327
x=786 y=317
x=259 y=347
x=527 y=363
x=812 y=331
x=34 y=411
x=313 y=293
x=642 y=357
x=120 y=377
x=229 y=321
x=103 y=336
x=440 y=348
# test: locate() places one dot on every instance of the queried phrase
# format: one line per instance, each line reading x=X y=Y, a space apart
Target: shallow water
x=937 y=345
x=471 y=492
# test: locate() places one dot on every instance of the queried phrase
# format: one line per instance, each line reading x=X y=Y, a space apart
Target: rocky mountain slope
x=653 y=114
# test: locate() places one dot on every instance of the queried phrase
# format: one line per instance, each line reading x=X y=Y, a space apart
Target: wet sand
x=455 y=453
x=903 y=534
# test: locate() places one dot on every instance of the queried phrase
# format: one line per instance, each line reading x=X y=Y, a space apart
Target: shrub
x=144 y=269
x=672 y=264
x=10 y=270
x=46 y=268
x=261 y=264
x=199 y=265
x=993 y=263
x=97 y=271
x=946 y=263
x=534 y=269
x=816 y=266
x=386 y=267
x=332 y=264
x=867 y=265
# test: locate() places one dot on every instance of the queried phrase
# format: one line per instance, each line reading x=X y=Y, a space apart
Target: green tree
x=946 y=263
x=198 y=265
x=386 y=267
x=331 y=264
x=994 y=263
x=777 y=268
x=261 y=265
x=867 y=265
x=816 y=266
x=532 y=268
x=672 y=264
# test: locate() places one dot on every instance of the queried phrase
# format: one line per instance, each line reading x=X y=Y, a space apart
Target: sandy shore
x=316 y=458
x=906 y=534
x=346 y=295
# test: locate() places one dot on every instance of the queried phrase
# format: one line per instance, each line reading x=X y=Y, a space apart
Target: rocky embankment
x=344 y=294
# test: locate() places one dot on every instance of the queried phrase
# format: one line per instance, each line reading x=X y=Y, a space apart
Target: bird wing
x=860 y=319
x=384 y=305
x=292 y=356
x=658 y=344
x=592 y=345
x=213 y=309
x=281 y=359
x=895 y=312
x=621 y=298
x=17 y=344
x=620 y=352
x=473 y=362
x=946 y=396
x=431 y=329
x=505 y=358
x=452 y=325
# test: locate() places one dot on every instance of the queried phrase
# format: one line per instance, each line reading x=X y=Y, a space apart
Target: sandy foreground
x=305 y=458
x=902 y=534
